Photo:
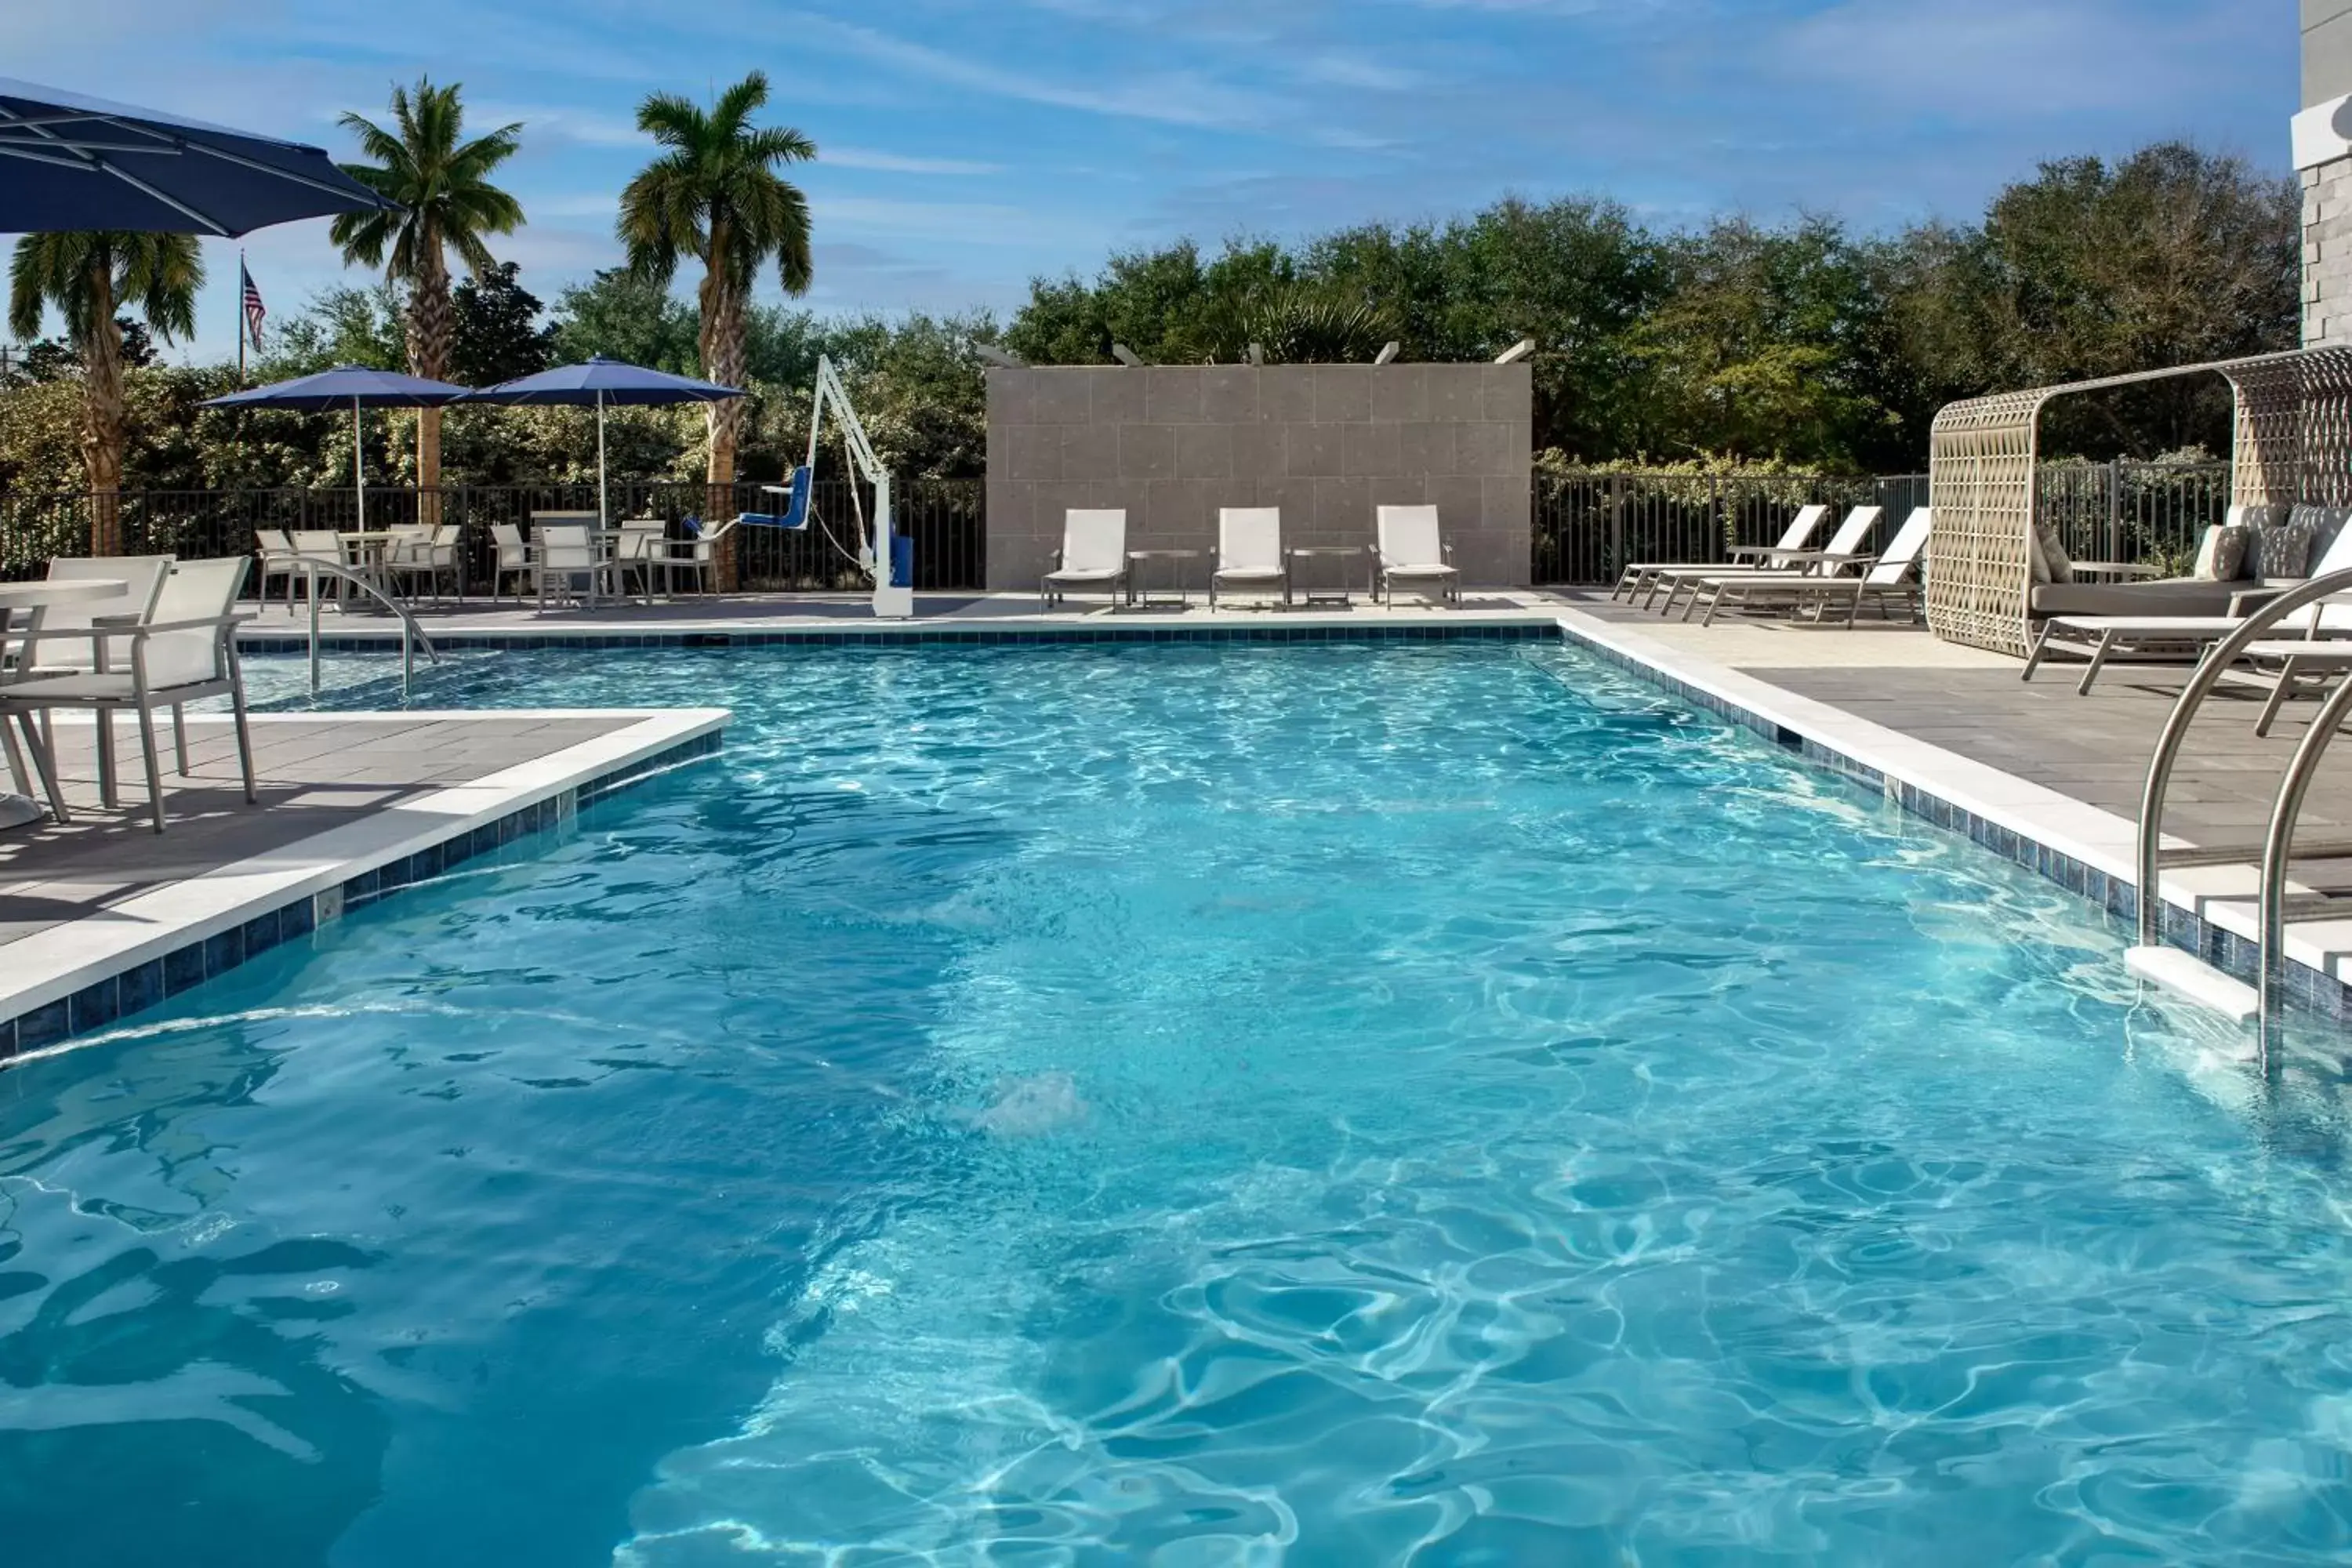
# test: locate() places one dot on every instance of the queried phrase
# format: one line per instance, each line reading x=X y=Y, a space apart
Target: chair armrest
x=154 y=628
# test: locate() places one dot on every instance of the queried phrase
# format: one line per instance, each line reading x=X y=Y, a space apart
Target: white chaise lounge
x=1411 y=551
x=1844 y=553
x=1643 y=577
x=1093 y=554
x=1891 y=575
x=1249 y=551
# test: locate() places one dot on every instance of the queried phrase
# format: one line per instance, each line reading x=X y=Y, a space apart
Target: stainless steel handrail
x=409 y=629
x=2278 y=843
x=2208 y=674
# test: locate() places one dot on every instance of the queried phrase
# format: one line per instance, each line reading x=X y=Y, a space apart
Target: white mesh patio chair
x=571 y=560
x=55 y=640
x=1249 y=551
x=639 y=548
x=184 y=648
x=698 y=555
x=1411 y=551
x=511 y=560
x=323 y=545
x=1093 y=554
x=274 y=556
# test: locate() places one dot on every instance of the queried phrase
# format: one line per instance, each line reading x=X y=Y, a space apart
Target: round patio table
x=20 y=810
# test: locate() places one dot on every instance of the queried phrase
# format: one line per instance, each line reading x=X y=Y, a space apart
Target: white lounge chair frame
x=1410 y=549
x=1093 y=554
x=1642 y=577
x=1249 y=551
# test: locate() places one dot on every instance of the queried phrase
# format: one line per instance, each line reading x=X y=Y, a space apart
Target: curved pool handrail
x=408 y=625
x=2208 y=674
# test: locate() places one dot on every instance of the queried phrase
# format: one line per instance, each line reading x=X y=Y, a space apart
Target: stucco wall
x=1172 y=444
x=2326 y=50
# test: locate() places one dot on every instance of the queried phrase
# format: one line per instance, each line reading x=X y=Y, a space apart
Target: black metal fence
x=1587 y=525
x=946 y=519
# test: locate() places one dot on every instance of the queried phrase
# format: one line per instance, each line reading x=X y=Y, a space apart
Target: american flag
x=254 y=313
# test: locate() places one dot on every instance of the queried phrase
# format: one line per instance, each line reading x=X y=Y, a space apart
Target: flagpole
x=240 y=316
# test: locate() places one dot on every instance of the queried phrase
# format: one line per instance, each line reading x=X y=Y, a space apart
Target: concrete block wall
x=2328 y=253
x=1172 y=444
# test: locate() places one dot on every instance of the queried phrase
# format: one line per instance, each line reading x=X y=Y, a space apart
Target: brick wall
x=1172 y=444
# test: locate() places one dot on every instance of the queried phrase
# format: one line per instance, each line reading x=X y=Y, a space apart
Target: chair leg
x=2041 y=648
x=153 y=762
x=18 y=777
x=2287 y=681
x=44 y=762
x=180 y=735
x=244 y=737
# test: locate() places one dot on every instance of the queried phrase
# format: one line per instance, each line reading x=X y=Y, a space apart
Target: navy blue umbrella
x=601 y=383
x=72 y=163
x=352 y=386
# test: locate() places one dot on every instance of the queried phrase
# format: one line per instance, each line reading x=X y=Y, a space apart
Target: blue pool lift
x=887 y=559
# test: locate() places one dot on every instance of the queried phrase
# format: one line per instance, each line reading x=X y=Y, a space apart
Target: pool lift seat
x=886 y=559
x=2275 y=907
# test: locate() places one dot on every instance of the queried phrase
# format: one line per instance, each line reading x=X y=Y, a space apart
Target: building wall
x=2322 y=138
x=1172 y=444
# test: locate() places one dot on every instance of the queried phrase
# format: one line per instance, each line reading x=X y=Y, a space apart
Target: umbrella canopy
x=601 y=383
x=607 y=381
x=72 y=163
x=352 y=387
x=345 y=386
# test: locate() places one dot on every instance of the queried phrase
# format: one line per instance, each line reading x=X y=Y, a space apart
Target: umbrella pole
x=359 y=474
x=602 y=520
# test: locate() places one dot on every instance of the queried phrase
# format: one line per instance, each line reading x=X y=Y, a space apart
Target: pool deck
x=101 y=916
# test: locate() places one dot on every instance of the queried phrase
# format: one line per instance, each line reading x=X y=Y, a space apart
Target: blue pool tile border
x=2312 y=989
x=141 y=986
x=1543 y=629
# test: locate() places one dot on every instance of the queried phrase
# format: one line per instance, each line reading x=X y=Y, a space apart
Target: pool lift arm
x=892 y=600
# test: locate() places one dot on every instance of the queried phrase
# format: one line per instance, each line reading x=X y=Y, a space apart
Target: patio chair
x=275 y=556
x=698 y=555
x=1892 y=575
x=55 y=640
x=1093 y=554
x=1845 y=552
x=1642 y=575
x=569 y=556
x=1249 y=550
x=639 y=547
x=1409 y=550
x=183 y=649
x=512 y=559
x=321 y=544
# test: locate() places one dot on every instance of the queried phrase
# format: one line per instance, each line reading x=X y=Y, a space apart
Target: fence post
x=1616 y=536
x=2114 y=551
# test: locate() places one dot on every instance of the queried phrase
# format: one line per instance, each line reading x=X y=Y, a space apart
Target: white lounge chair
x=1845 y=553
x=1093 y=554
x=1411 y=551
x=1642 y=575
x=1249 y=550
x=1891 y=575
x=184 y=648
x=2176 y=638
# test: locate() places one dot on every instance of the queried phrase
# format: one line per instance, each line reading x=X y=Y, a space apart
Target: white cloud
x=899 y=162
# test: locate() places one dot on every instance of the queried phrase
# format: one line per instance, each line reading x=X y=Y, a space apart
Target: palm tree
x=714 y=194
x=446 y=202
x=88 y=277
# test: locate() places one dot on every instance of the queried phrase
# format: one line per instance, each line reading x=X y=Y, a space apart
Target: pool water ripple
x=1188 y=1105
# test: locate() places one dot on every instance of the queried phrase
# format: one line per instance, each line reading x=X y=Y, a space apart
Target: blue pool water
x=1186 y=1105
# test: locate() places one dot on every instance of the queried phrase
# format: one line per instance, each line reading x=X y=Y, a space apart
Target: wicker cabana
x=2292 y=442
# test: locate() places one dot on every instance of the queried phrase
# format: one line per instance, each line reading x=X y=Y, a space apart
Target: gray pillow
x=2283 y=551
x=2221 y=553
x=2051 y=561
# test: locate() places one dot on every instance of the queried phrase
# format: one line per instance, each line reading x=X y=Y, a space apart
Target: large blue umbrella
x=72 y=163
x=352 y=386
x=601 y=383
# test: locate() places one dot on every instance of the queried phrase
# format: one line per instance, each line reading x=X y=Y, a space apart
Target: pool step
x=2192 y=979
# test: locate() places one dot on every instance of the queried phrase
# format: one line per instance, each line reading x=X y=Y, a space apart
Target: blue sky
x=969 y=146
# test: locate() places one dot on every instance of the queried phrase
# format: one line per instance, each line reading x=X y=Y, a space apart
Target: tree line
x=1801 y=343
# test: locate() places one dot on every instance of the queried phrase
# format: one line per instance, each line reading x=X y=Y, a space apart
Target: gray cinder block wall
x=2322 y=155
x=1326 y=442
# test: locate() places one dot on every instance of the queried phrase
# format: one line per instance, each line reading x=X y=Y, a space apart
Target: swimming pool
x=1182 y=1103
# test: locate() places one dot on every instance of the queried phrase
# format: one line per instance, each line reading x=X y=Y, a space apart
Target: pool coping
x=2208 y=912
x=83 y=976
